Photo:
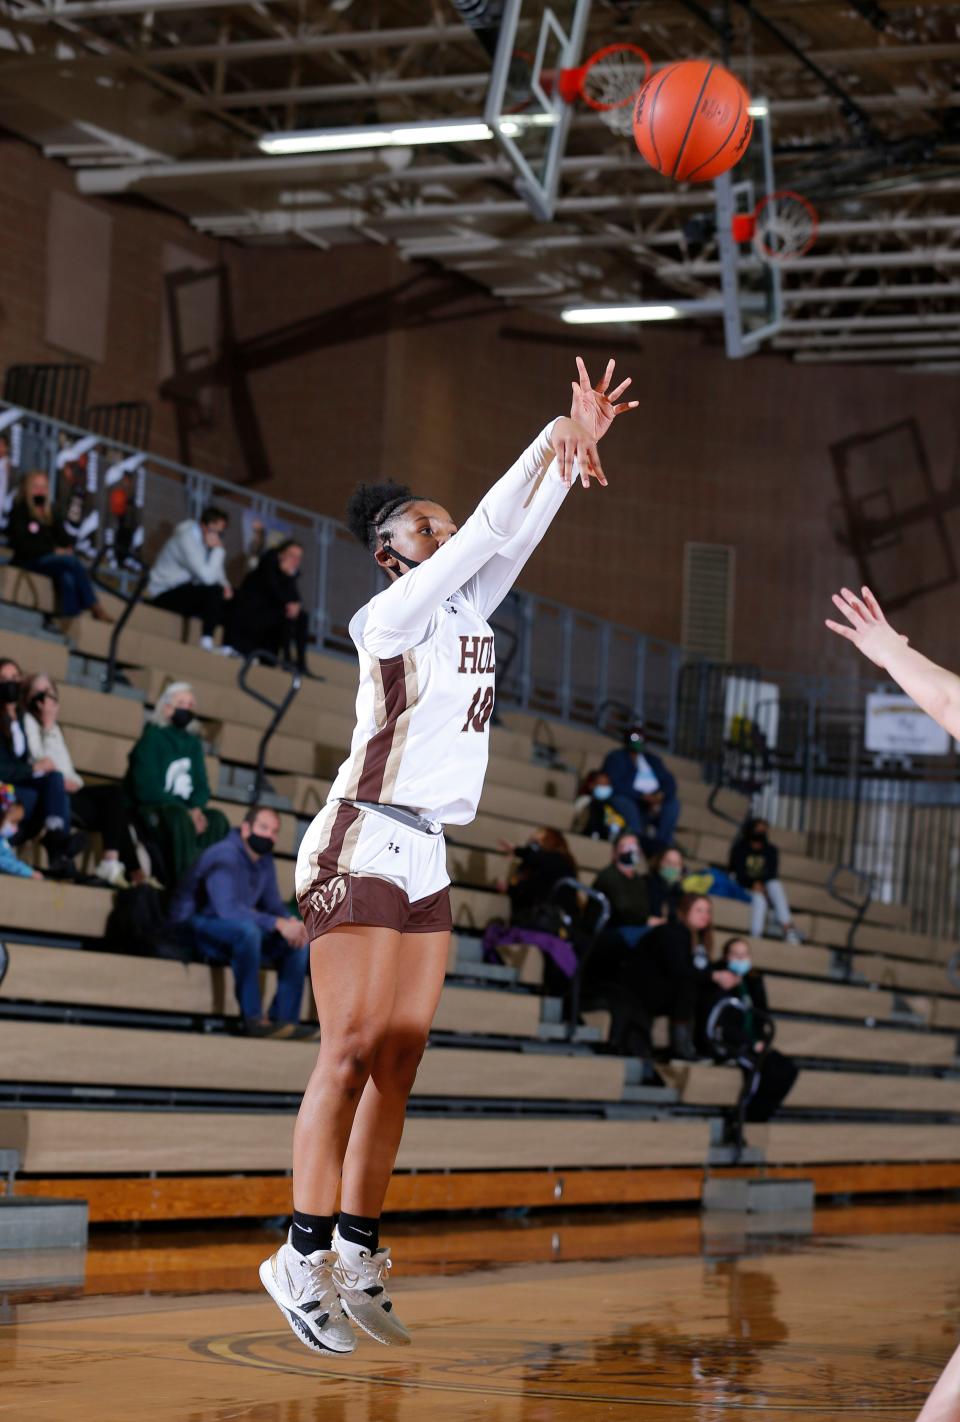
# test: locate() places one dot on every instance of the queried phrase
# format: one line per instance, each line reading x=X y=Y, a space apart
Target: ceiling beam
x=861 y=323
x=871 y=339
x=799 y=296
x=877 y=357
x=340 y=41
x=845 y=261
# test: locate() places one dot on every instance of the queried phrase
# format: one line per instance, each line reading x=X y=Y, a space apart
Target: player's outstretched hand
x=594 y=406
x=868 y=629
x=573 y=442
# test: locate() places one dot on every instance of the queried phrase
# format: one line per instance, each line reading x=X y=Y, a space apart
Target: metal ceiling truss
x=167 y=97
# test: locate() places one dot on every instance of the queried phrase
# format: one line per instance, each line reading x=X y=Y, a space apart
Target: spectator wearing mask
x=267 y=613
x=540 y=864
x=188 y=576
x=93 y=807
x=664 y=883
x=644 y=792
x=41 y=544
x=668 y=973
x=624 y=885
x=755 y=865
x=737 y=1015
x=166 y=782
x=231 y=910
x=593 y=815
x=11 y=818
x=38 y=785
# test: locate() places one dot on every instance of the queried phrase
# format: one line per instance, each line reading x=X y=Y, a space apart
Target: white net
x=786 y=228
x=611 y=85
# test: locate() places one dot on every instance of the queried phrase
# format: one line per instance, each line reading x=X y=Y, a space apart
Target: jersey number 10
x=481 y=709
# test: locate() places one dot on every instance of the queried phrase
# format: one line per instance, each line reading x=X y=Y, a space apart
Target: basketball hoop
x=782 y=227
x=608 y=83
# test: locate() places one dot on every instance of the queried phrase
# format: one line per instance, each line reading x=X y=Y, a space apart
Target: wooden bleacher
x=144 y=1028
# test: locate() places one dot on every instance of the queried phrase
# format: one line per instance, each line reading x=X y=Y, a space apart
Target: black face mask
x=9 y=693
x=260 y=843
x=630 y=857
x=39 y=500
x=181 y=718
x=399 y=556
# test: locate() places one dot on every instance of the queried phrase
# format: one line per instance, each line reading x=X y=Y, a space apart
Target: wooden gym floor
x=649 y=1315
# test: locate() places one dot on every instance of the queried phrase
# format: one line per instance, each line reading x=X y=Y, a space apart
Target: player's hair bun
x=367 y=505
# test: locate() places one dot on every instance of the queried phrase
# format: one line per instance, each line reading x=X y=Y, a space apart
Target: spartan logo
x=325 y=899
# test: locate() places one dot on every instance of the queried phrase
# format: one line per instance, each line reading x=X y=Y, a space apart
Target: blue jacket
x=226 y=883
x=10 y=864
x=621 y=767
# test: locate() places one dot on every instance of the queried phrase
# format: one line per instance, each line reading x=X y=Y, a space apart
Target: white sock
x=206 y=643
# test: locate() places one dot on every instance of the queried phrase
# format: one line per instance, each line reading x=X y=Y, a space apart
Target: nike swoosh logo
x=367 y=1232
x=306 y=1228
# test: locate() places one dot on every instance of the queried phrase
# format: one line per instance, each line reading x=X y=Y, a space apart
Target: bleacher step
x=651 y=1095
x=559 y=1032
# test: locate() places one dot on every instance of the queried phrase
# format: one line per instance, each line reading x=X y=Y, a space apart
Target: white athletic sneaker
x=362 y=1283
x=111 y=871
x=304 y=1289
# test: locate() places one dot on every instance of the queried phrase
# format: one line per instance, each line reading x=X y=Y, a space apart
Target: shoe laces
x=373 y=1273
x=317 y=1281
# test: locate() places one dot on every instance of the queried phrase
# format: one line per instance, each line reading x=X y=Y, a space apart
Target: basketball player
x=936 y=691
x=371 y=876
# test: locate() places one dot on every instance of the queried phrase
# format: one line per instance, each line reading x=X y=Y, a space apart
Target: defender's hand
x=869 y=630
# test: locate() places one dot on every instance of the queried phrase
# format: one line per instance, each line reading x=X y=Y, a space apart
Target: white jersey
x=427 y=665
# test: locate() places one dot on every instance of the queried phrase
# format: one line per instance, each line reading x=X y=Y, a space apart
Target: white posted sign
x=895 y=725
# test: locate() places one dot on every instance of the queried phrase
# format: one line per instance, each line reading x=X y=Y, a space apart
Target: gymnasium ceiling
x=167 y=98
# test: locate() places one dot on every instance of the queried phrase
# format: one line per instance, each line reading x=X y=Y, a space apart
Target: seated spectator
x=101 y=808
x=541 y=863
x=664 y=883
x=593 y=815
x=166 y=782
x=188 y=574
x=644 y=792
x=230 y=908
x=536 y=917
x=755 y=864
x=41 y=544
x=624 y=885
x=11 y=817
x=769 y=1075
x=38 y=785
x=667 y=972
x=267 y=613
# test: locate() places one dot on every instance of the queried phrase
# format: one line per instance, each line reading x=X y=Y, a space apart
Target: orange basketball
x=690 y=120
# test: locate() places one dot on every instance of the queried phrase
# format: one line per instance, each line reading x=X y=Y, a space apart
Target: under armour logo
x=325 y=899
x=394 y=847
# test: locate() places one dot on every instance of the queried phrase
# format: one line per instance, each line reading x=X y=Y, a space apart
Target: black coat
x=31 y=538
x=256 y=616
x=532 y=884
x=754 y=864
x=14 y=769
x=662 y=897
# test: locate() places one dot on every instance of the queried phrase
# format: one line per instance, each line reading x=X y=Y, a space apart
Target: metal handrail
x=750 y=1060
x=279 y=708
x=130 y=601
x=583 y=958
x=612 y=703
x=843 y=957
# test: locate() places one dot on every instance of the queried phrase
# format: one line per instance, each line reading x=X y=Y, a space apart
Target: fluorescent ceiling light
x=515 y=125
x=760 y=109
x=333 y=140
x=590 y=315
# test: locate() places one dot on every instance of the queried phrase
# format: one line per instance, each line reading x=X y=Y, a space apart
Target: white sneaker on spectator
x=207 y=644
x=226 y=651
x=792 y=936
x=111 y=871
x=305 y=1291
x=362 y=1282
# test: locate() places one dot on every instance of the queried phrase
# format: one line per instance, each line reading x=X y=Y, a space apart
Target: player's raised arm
x=932 y=687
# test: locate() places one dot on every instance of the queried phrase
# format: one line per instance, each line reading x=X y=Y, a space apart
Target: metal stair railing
x=842 y=961
x=583 y=943
x=130 y=601
x=279 y=708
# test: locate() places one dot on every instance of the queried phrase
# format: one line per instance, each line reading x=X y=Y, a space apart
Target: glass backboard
x=524 y=108
x=752 y=307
